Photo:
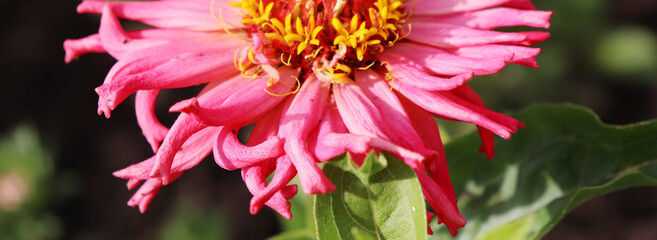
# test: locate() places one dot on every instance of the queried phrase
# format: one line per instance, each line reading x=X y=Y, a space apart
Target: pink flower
x=318 y=79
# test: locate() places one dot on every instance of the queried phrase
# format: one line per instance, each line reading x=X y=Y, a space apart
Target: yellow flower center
x=327 y=37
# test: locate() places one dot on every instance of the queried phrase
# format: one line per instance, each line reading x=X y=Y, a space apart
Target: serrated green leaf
x=386 y=204
x=564 y=157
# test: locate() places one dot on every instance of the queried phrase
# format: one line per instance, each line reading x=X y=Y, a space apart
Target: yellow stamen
x=270 y=83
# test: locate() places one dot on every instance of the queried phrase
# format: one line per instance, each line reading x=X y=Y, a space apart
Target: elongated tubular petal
x=432 y=7
x=184 y=127
x=230 y=154
x=285 y=172
x=143 y=197
x=167 y=66
x=152 y=129
x=521 y=55
x=453 y=36
x=195 y=148
x=425 y=125
x=491 y=18
x=440 y=202
x=255 y=176
x=445 y=104
x=225 y=105
x=116 y=41
x=411 y=73
x=182 y=14
x=77 y=47
x=445 y=63
x=301 y=117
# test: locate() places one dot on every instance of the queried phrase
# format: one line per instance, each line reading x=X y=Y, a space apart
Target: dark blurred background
x=57 y=155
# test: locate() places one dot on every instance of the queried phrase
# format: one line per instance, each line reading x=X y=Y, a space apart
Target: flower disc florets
x=328 y=38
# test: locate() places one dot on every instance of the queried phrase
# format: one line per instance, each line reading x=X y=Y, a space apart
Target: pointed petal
x=446 y=104
x=446 y=211
x=491 y=18
x=453 y=36
x=444 y=63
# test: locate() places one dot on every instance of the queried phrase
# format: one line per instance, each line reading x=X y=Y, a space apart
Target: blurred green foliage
x=188 y=221
x=25 y=187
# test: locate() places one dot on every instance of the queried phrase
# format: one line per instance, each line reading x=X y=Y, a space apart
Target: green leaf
x=564 y=157
x=382 y=199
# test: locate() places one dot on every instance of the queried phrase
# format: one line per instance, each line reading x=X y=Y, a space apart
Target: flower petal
x=193 y=15
x=445 y=63
x=285 y=172
x=446 y=104
x=411 y=73
x=447 y=212
x=453 y=36
x=167 y=66
x=426 y=126
x=433 y=7
x=77 y=47
x=302 y=116
x=152 y=129
x=230 y=154
x=239 y=102
x=521 y=55
x=192 y=152
x=184 y=127
x=491 y=18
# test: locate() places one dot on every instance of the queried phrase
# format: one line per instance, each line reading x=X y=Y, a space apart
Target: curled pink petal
x=77 y=47
x=165 y=66
x=230 y=154
x=285 y=172
x=184 y=127
x=152 y=129
x=195 y=148
x=301 y=117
